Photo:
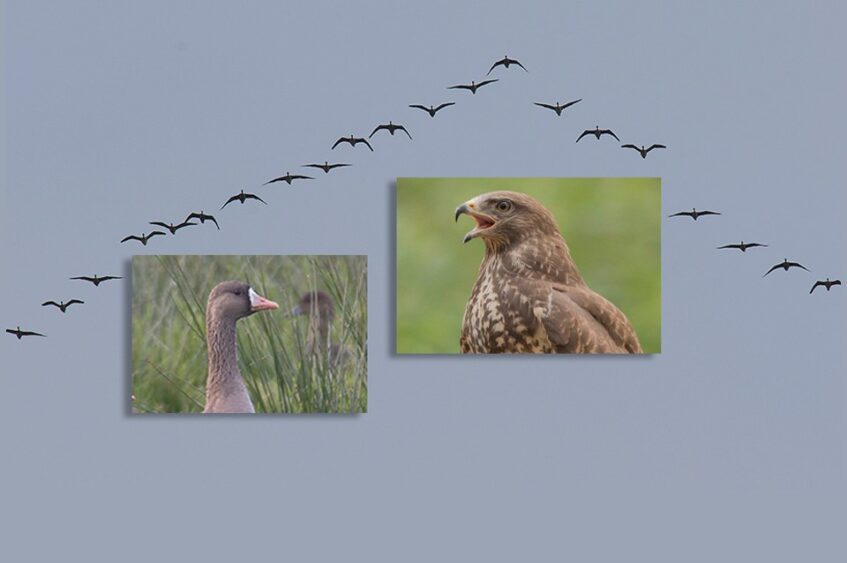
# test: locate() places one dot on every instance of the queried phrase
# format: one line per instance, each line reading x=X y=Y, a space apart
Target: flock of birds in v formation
x=391 y=127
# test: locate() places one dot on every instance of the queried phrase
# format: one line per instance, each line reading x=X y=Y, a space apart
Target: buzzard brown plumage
x=529 y=296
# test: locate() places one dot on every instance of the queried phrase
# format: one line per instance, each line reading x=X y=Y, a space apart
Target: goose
x=785 y=265
x=827 y=284
x=242 y=197
x=642 y=151
x=319 y=308
x=473 y=86
x=391 y=128
x=288 y=178
x=694 y=214
x=95 y=279
x=62 y=306
x=432 y=110
x=171 y=227
x=353 y=141
x=597 y=132
x=21 y=333
x=326 y=166
x=203 y=218
x=143 y=238
x=742 y=246
x=558 y=107
x=506 y=61
x=228 y=302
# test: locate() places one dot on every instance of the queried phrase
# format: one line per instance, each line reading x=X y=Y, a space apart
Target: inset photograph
x=249 y=334
x=528 y=266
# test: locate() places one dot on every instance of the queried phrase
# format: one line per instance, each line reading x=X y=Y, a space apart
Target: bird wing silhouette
x=50 y=303
x=131 y=237
x=72 y=301
x=442 y=106
x=609 y=132
x=154 y=233
x=484 y=82
x=656 y=146
x=418 y=106
x=628 y=146
x=495 y=65
x=253 y=196
x=463 y=86
x=230 y=200
x=360 y=140
x=815 y=286
x=159 y=224
x=403 y=129
x=772 y=269
x=569 y=104
x=682 y=213
x=341 y=140
x=797 y=265
x=548 y=106
x=378 y=127
x=584 y=133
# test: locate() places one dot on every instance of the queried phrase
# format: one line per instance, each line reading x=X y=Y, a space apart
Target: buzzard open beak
x=483 y=221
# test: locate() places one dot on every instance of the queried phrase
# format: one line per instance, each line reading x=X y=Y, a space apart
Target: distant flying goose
x=785 y=265
x=391 y=128
x=289 y=177
x=171 y=227
x=143 y=238
x=21 y=333
x=597 y=132
x=742 y=247
x=506 y=61
x=694 y=214
x=352 y=141
x=432 y=110
x=558 y=107
x=61 y=304
x=203 y=218
x=827 y=284
x=642 y=150
x=473 y=86
x=242 y=197
x=326 y=166
x=96 y=280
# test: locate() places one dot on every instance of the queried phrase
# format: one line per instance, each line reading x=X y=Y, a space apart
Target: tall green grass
x=612 y=226
x=169 y=296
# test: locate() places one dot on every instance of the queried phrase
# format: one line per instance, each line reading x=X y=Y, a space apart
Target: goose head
x=236 y=300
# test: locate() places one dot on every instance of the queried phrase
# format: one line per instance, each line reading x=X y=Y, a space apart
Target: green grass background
x=169 y=366
x=612 y=226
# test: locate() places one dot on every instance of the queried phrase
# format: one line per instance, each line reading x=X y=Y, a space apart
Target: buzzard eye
x=504 y=205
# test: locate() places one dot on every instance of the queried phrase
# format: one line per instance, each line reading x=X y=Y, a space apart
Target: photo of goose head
x=228 y=302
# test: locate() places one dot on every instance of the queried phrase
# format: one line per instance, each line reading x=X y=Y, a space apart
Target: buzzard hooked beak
x=483 y=221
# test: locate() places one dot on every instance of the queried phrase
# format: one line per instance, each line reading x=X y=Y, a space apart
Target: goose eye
x=504 y=205
x=238 y=292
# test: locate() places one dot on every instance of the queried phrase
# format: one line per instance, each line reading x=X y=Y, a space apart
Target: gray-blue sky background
x=728 y=446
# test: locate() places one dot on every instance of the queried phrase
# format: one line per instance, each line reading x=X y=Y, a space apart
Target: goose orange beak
x=259 y=303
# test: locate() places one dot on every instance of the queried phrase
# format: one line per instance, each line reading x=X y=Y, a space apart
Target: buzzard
x=529 y=295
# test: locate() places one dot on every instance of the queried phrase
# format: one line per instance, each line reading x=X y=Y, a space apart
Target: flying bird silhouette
x=558 y=107
x=473 y=86
x=694 y=214
x=506 y=61
x=96 y=280
x=289 y=177
x=827 y=284
x=742 y=246
x=352 y=141
x=61 y=304
x=432 y=110
x=242 y=197
x=203 y=218
x=143 y=238
x=391 y=128
x=597 y=132
x=171 y=227
x=326 y=166
x=642 y=150
x=21 y=333
x=785 y=265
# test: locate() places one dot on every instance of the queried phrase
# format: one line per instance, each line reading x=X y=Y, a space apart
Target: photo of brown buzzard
x=529 y=296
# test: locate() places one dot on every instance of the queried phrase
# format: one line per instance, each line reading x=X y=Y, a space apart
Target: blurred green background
x=612 y=226
x=169 y=366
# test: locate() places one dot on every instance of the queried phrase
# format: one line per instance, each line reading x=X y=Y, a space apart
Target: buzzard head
x=505 y=218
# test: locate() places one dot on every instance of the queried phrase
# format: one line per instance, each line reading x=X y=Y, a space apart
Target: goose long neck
x=223 y=353
x=319 y=328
